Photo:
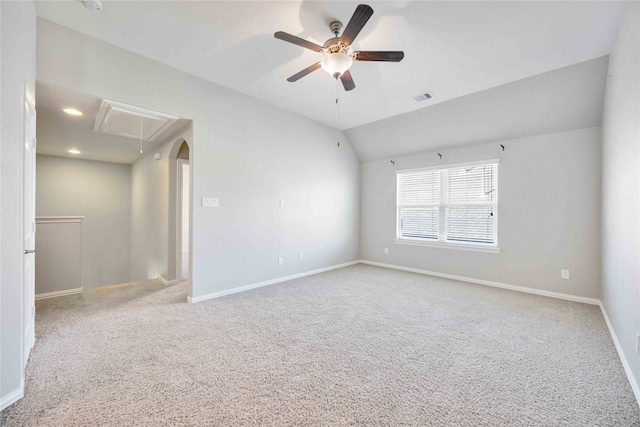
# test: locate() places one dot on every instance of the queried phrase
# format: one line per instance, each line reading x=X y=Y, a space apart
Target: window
x=454 y=207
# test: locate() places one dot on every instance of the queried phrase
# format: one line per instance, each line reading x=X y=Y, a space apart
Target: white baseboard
x=488 y=283
x=11 y=398
x=267 y=282
x=623 y=359
x=165 y=281
x=59 y=293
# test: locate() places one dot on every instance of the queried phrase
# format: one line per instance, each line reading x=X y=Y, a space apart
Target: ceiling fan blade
x=347 y=81
x=357 y=21
x=372 y=55
x=301 y=74
x=297 y=40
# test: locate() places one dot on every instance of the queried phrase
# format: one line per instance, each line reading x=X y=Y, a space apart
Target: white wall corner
x=11 y=397
x=625 y=364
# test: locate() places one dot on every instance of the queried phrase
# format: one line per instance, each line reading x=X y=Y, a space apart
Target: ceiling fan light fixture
x=336 y=63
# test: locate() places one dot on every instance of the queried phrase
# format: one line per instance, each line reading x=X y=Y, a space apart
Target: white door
x=29 y=212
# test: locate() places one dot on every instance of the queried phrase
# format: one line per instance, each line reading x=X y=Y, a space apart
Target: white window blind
x=456 y=205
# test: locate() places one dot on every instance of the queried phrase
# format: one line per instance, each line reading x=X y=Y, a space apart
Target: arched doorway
x=180 y=209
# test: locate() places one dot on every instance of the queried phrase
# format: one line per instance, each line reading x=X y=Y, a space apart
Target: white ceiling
x=452 y=49
x=58 y=132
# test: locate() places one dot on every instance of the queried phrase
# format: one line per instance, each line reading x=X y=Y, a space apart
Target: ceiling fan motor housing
x=335 y=27
x=334 y=45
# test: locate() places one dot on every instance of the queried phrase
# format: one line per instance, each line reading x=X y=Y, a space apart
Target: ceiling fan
x=338 y=56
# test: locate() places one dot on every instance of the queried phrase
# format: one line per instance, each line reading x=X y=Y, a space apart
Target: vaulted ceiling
x=452 y=49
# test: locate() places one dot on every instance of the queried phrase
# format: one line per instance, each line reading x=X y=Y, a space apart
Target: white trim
x=30 y=337
x=477 y=247
x=180 y=251
x=524 y=289
x=625 y=363
x=268 y=282
x=59 y=293
x=11 y=398
x=449 y=166
x=164 y=281
x=57 y=219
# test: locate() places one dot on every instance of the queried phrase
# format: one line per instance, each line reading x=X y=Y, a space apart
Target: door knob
x=29 y=251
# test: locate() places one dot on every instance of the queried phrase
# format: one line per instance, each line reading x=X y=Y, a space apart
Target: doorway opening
x=183 y=211
x=105 y=193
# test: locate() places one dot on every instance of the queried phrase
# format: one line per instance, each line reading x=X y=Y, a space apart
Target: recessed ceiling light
x=74 y=151
x=73 y=112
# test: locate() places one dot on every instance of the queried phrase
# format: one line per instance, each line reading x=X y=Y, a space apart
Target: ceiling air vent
x=126 y=120
x=423 y=96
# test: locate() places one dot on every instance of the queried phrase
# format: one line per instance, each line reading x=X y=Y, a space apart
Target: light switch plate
x=564 y=274
x=209 y=202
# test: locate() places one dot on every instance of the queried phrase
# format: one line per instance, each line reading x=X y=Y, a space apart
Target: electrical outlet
x=386 y=250
x=564 y=274
x=280 y=261
x=300 y=257
x=282 y=203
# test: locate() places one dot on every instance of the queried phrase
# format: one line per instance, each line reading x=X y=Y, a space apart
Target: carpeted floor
x=358 y=346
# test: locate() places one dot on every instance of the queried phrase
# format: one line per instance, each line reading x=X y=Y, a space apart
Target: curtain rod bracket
x=502 y=147
x=440 y=155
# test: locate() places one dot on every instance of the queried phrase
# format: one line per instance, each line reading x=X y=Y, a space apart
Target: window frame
x=442 y=206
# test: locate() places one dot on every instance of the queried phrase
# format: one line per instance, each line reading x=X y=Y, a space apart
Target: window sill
x=456 y=246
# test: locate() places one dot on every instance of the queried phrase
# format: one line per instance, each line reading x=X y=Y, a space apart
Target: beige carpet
x=357 y=346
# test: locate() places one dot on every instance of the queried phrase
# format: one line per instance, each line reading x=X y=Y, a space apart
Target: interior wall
x=101 y=192
x=245 y=152
x=185 y=208
x=18 y=57
x=548 y=214
x=152 y=220
x=621 y=188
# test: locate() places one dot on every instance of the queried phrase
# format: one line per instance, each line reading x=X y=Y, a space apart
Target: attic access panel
x=133 y=122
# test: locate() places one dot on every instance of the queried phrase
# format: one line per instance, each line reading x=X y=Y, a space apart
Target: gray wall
x=101 y=192
x=18 y=50
x=548 y=214
x=245 y=152
x=621 y=187
x=59 y=260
